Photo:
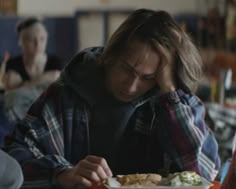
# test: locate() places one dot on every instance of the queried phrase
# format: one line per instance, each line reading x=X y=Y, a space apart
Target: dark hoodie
x=110 y=119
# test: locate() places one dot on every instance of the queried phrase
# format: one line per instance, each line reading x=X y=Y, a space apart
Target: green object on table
x=186 y=178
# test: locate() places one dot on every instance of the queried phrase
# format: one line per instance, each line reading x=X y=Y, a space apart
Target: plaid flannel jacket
x=54 y=134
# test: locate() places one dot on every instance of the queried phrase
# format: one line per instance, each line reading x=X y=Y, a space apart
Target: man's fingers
x=93 y=172
x=167 y=55
x=83 y=182
x=102 y=162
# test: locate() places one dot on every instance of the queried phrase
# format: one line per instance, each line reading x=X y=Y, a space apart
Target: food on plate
x=179 y=179
x=149 y=179
x=185 y=178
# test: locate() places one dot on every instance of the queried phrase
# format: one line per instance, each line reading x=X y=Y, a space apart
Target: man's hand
x=87 y=172
x=165 y=74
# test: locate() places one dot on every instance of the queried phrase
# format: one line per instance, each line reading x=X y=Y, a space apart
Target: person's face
x=133 y=73
x=34 y=40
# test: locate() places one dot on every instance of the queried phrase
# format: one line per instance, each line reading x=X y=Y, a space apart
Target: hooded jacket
x=77 y=116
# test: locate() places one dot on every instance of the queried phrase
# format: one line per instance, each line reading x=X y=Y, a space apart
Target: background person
x=27 y=75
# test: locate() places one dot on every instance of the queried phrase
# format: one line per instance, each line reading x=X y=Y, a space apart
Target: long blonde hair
x=158 y=28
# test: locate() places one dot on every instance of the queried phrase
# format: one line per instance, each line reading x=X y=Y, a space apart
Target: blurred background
x=75 y=24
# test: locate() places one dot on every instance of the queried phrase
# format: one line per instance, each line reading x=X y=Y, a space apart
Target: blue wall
x=62 y=38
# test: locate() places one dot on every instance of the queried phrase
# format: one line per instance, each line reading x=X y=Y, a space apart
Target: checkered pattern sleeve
x=189 y=141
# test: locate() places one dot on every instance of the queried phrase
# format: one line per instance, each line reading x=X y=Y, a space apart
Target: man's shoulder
x=93 y=50
x=56 y=97
x=80 y=63
x=89 y=53
x=61 y=91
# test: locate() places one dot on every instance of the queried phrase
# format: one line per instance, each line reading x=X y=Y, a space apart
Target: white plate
x=114 y=185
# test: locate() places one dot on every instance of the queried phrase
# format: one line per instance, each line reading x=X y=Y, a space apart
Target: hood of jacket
x=87 y=77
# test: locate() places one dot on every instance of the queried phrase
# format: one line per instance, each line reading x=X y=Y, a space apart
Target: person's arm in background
x=44 y=79
x=189 y=142
x=12 y=79
x=52 y=73
x=11 y=176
